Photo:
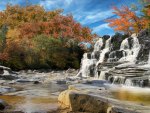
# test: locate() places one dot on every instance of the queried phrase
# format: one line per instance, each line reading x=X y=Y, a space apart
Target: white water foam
x=130 y=55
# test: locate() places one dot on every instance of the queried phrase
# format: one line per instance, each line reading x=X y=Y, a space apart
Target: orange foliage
x=34 y=20
x=58 y=27
x=126 y=22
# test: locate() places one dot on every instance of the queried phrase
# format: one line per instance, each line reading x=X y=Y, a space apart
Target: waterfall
x=92 y=64
x=97 y=47
x=85 y=66
x=87 y=63
x=128 y=82
x=101 y=75
x=104 y=51
x=130 y=55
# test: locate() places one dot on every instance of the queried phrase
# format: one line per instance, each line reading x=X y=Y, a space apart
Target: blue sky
x=91 y=13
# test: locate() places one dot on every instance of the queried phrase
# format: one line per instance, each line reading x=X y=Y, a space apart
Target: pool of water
x=32 y=98
x=31 y=104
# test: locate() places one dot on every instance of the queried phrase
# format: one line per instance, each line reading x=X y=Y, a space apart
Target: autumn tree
x=17 y=15
x=127 y=21
x=58 y=27
x=37 y=38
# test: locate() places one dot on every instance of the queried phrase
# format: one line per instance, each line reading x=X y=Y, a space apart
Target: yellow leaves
x=13 y=34
x=16 y=15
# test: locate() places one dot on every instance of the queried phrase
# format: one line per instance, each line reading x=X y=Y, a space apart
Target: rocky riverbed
x=32 y=91
x=54 y=92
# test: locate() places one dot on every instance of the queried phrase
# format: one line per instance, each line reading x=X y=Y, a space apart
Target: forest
x=31 y=37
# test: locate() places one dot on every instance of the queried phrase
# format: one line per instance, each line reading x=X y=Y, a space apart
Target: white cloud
x=101 y=27
x=50 y=4
x=97 y=16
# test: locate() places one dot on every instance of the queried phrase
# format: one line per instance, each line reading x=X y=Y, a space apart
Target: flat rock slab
x=93 y=99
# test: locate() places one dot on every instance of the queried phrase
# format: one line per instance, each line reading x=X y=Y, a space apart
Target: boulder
x=61 y=82
x=3 y=105
x=8 y=77
x=76 y=101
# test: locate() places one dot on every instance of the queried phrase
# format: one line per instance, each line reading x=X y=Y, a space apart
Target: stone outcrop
x=3 y=105
x=7 y=74
x=95 y=99
x=77 y=101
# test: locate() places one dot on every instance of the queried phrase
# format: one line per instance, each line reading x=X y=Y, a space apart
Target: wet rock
x=70 y=70
x=61 y=81
x=144 y=40
x=3 y=105
x=96 y=54
x=36 y=82
x=119 y=110
x=76 y=101
x=6 y=89
x=96 y=82
x=8 y=77
x=23 y=80
x=7 y=74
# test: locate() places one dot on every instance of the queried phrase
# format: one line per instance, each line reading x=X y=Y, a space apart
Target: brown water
x=28 y=104
x=138 y=96
x=32 y=98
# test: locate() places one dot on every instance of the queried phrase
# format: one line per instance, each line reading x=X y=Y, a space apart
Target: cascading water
x=85 y=66
x=128 y=82
x=130 y=55
x=97 y=47
x=104 y=51
x=101 y=59
x=87 y=63
x=117 y=66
